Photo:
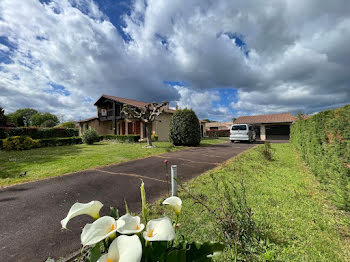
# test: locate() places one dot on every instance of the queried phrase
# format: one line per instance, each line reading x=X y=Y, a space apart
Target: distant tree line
x=30 y=117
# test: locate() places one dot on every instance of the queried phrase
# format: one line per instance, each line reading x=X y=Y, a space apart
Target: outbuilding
x=270 y=127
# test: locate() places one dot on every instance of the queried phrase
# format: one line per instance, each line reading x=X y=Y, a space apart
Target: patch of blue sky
x=163 y=40
x=227 y=96
x=57 y=89
x=115 y=10
x=174 y=83
x=5 y=55
x=239 y=41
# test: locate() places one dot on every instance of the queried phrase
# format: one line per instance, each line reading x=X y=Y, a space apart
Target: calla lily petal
x=103 y=258
x=131 y=224
x=101 y=229
x=175 y=202
x=92 y=209
x=160 y=229
x=125 y=249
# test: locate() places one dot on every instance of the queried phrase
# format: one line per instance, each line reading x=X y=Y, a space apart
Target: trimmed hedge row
x=62 y=141
x=218 y=133
x=37 y=133
x=324 y=143
x=123 y=138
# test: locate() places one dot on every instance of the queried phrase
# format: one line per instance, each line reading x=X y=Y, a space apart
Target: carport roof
x=264 y=119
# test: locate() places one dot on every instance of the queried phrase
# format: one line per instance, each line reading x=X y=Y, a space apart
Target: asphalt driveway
x=30 y=213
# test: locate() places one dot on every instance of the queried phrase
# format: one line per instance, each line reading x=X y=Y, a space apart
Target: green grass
x=287 y=202
x=54 y=161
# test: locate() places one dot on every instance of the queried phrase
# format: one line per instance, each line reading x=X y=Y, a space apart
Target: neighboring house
x=218 y=125
x=109 y=119
x=274 y=126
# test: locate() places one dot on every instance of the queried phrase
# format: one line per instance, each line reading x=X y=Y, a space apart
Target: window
x=239 y=127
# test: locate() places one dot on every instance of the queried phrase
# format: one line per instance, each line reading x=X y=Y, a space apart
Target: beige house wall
x=161 y=126
x=102 y=128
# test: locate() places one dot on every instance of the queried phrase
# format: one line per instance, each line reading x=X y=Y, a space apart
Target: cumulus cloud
x=281 y=56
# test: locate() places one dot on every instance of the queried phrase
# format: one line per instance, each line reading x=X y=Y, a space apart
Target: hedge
x=62 y=141
x=37 y=133
x=324 y=143
x=218 y=133
x=20 y=143
x=123 y=138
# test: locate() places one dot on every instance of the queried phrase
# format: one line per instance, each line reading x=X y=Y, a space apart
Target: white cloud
x=297 y=55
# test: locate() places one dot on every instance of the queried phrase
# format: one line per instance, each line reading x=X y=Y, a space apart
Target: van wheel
x=232 y=141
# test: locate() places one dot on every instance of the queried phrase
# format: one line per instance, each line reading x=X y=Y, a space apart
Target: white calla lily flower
x=160 y=229
x=101 y=229
x=131 y=224
x=92 y=209
x=123 y=249
x=175 y=202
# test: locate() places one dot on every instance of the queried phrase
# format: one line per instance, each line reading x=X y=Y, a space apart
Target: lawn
x=289 y=206
x=54 y=161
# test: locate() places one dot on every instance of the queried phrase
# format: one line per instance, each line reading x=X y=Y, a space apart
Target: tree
x=146 y=114
x=39 y=118
x=22 y=117
x=185 y=128
x=48 y=123
x=3 y=118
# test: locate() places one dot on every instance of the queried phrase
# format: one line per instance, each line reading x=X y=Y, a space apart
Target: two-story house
x=110 y=120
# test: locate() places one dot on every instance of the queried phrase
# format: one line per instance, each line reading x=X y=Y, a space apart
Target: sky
x=222 y=58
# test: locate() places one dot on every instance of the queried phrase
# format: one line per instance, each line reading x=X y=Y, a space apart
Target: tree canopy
x=22 y=117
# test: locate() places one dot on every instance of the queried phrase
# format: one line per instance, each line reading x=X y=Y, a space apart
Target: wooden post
x=173 y=180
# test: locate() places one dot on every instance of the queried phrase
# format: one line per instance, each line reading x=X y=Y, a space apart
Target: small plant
x=154 y=138
x=20 y=143
x=267 y=151
x=90 y=136
x=113 y=238
x=235 y=219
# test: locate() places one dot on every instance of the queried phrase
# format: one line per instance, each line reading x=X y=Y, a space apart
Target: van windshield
x=239 y=127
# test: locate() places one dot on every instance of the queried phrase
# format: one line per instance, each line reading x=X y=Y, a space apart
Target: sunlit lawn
x=287 y=201
x=53 y=161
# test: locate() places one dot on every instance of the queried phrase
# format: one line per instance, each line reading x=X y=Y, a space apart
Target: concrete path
x=30 y=213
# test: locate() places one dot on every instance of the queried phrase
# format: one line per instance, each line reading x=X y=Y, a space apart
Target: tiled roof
x=87 y=120
x=218 y=124
x=131 y=102
x=274 y=118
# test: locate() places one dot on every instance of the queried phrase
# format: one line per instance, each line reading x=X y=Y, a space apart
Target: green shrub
x=123 y=138
x=67 y=125
x=63 y=141
x=48 y=123
x=90 y=136
x=20 y=143
x=154 y=138
x=185 y=128
x=324 y=143
x=1 y=144
x=38 y=133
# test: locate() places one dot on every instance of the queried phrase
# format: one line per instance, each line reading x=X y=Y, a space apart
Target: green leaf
x=94 y=253
x=198 y=251
x=113 y=212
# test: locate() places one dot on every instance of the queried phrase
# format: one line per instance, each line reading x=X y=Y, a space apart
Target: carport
x=270 y=127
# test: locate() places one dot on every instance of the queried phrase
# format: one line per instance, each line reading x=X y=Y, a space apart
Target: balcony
x=107 y=115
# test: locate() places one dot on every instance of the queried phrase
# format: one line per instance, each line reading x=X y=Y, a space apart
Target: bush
x=324 y=143
x=90 y=136
x=123 y=138
x=48 y=123
x=67 y=125
x=218 y=133
x=154 y=138
x=1 y=144
x=60 y=141
x=38 y=133
x=20 y=143
x=185 y=128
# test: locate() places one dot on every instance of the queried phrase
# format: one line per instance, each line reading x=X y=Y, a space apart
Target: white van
x=242 y=132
